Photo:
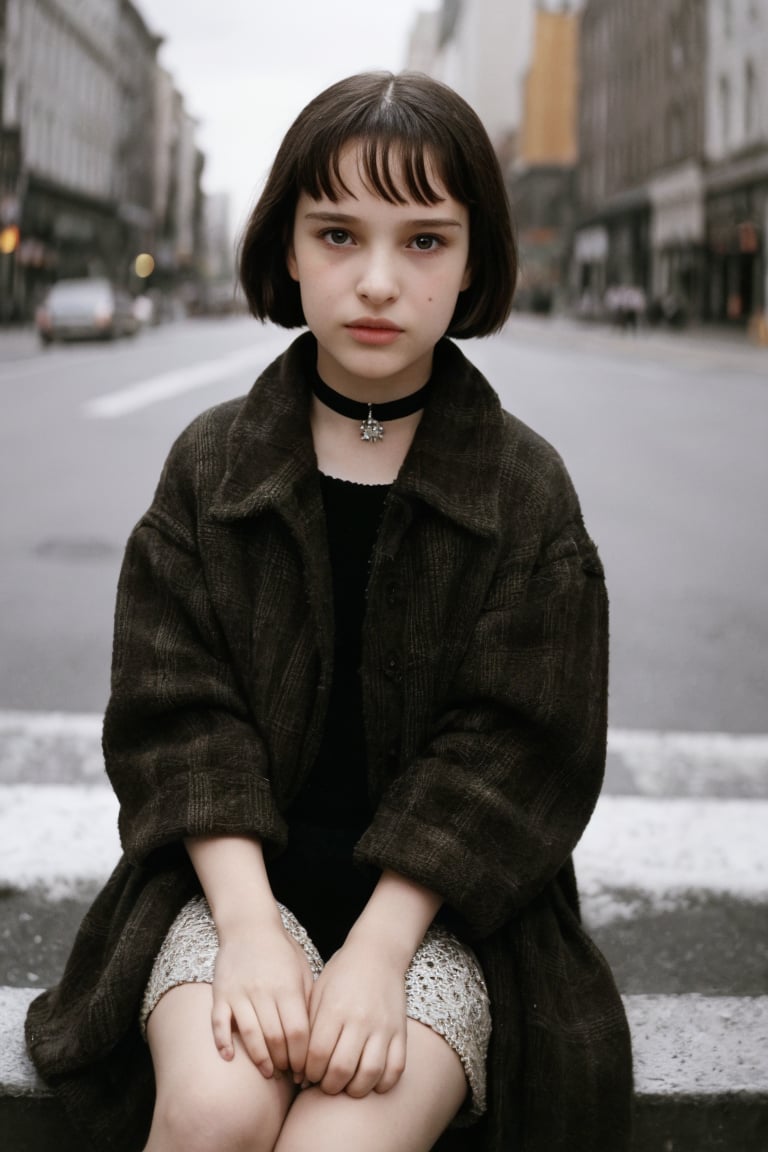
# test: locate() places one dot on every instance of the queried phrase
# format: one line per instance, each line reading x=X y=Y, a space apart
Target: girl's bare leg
x=204 y=1102
x=408 y=1118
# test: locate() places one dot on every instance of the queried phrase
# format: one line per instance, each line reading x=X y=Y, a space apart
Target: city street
x=664 y=437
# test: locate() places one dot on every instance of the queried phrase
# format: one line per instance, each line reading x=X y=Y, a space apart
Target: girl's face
x=379 y=282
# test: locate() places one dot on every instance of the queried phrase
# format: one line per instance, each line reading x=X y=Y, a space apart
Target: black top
x=315 y=877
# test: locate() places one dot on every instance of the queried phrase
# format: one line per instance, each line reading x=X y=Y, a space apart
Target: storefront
x=542 y=197
x=611 y=247
x=62 y=234
x=678 y=238
x=590 y=259
x=736 y=237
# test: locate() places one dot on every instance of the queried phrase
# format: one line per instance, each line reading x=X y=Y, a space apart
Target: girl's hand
x=357 y=1022
x=261 y=988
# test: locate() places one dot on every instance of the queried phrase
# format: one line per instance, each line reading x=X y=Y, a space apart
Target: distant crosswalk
x=680 y=813
x=673 y=871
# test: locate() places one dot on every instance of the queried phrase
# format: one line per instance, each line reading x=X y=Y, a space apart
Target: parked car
x=85 y=309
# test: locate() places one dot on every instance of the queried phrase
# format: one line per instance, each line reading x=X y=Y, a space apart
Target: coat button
x=392 y=666
x=391 y=592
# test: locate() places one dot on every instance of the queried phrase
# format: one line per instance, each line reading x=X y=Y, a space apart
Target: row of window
x=59 y=151
x=728 y=13
x=629 y=159
x=747 y=128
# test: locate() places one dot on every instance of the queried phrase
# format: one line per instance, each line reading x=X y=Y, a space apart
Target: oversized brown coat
x=484 y=684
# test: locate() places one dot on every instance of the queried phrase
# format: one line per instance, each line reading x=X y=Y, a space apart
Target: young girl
x=358 y=709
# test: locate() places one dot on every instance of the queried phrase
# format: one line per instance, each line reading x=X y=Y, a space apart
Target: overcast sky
x=247 y=67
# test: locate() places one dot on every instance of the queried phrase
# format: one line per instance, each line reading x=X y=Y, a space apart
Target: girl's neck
x=371 y=389
x=341 y=453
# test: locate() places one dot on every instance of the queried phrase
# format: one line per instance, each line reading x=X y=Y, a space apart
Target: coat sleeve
x=181 y=749
x=494 y=805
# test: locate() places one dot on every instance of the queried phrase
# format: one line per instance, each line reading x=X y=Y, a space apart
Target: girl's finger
x=295 y=1025
x=252 y=1035
x=221 y=1023
x=395 y=1063
x=370 y=1068
x=343 y=1063
x=322 y=1042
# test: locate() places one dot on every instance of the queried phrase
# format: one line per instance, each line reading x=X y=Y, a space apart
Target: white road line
x=50 y=747
x=637 y=853
x=692 y=763
x=62 y=840
x=49 y=723
x=643 y=853
x=174 y=383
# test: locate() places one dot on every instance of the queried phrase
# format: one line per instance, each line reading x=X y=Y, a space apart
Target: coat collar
x=452 y=465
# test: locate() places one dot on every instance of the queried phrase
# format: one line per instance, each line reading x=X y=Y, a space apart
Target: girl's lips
x=373 y=331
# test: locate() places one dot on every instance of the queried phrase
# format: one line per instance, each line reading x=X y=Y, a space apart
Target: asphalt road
x=664 y=437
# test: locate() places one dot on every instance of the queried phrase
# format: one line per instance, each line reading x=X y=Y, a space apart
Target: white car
x=85 y=309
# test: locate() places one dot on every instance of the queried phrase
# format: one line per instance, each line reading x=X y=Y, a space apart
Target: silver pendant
x=371 y=429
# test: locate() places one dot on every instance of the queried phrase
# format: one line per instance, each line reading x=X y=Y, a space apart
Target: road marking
x=642 y=853
x=49 y=362
x=167 y=384
x=637 y=853
x=665 y=842
x=61 y=839
x=689 y=763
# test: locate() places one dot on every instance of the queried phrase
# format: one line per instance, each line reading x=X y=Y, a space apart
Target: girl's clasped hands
x=344 y=1032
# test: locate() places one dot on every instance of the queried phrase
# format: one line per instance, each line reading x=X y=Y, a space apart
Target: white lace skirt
x=444 y=986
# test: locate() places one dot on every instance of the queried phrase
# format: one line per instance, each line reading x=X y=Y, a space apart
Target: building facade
x=736 y=183
x=60 y=98
x=516 y=64
x=136 y=65
x=81 y=147
x=541 y=174
x=641 y=149
x=482 y=49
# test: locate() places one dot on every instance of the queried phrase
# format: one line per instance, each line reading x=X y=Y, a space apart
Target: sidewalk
x=719 y=345
x=673 y=873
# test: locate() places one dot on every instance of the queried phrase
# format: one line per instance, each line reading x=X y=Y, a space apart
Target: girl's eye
x=426 y=243
x=337 y=237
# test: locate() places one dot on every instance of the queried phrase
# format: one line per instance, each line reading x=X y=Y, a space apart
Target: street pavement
x=673 y=871
x=664 y=435
x=673 y=868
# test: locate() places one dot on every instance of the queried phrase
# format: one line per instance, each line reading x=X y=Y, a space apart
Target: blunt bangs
x=410 y=132
x=395 y=161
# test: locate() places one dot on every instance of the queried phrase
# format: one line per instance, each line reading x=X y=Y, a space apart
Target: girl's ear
x=467 y=280
x=290 y=260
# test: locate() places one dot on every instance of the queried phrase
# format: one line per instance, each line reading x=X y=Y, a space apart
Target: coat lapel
x=452 y=465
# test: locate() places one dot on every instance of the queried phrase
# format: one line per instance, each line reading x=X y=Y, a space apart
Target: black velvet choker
x=371 y=415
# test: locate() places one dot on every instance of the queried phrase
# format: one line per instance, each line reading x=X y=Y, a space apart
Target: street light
x=9 y=240
x=144 y=265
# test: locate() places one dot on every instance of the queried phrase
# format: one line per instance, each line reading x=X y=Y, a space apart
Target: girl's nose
x=378 y=281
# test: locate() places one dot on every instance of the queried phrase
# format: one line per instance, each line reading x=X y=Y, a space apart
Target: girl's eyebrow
x=344 y=218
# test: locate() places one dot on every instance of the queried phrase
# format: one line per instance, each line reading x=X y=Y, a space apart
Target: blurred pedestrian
x=358 y=711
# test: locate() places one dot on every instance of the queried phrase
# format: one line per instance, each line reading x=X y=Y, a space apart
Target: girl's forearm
x=396 y=917
x=233 y=876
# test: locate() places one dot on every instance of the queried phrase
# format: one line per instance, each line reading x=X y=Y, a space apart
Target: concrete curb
x=700 y=1073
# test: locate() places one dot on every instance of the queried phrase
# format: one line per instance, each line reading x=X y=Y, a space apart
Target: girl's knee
x=205 y=1118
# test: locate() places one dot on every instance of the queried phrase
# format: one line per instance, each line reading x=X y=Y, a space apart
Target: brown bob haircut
x=419 y=123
